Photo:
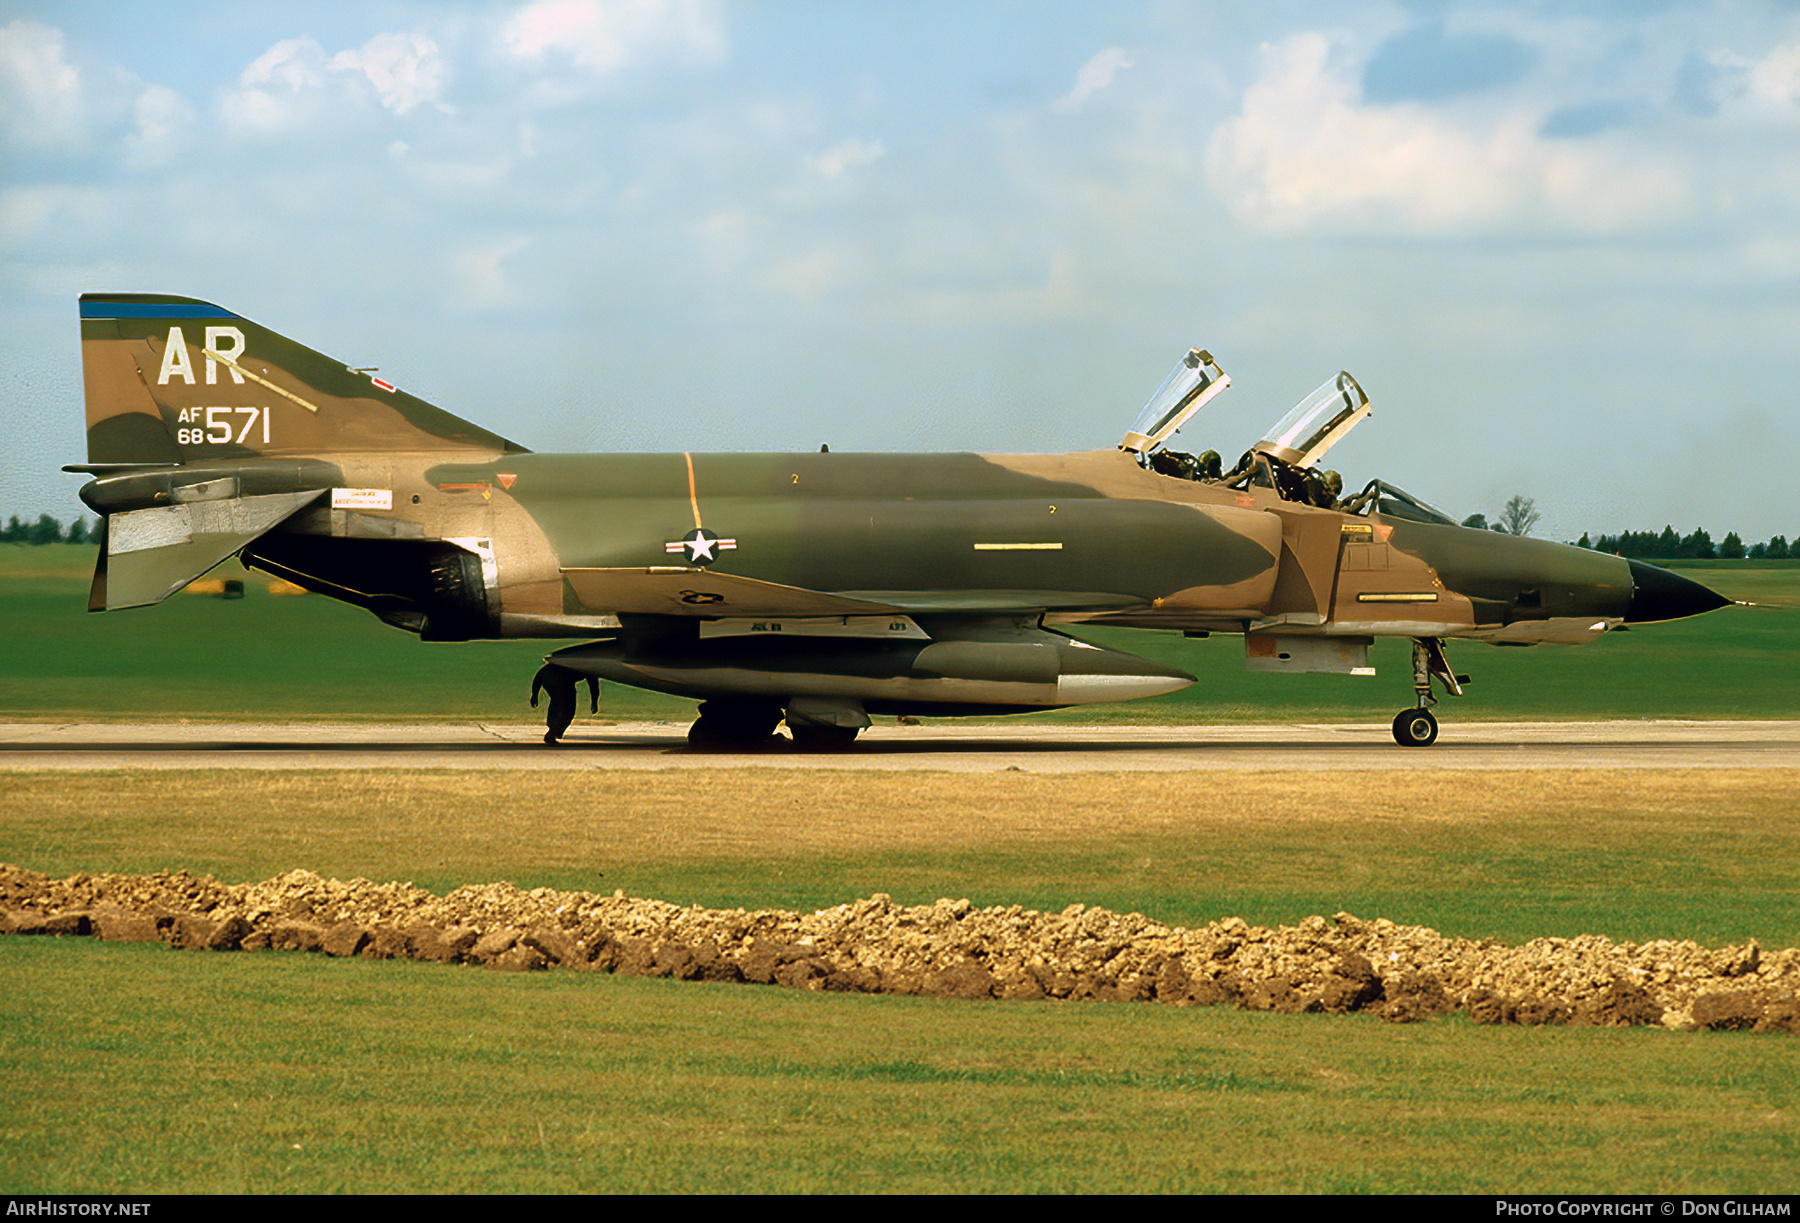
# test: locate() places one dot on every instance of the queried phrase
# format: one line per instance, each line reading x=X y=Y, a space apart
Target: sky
x=1558 y=243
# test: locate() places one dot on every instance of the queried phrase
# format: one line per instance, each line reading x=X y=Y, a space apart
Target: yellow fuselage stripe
x=693 y=497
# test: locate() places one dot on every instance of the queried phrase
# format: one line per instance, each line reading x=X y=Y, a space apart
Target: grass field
x=306 y=657
x=136 y=1069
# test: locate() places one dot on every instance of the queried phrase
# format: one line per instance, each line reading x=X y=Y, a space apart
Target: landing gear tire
x=811 y=738
x=1415 y=728
x=731 y=726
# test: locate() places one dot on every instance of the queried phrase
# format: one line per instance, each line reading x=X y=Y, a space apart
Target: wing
x=679 y=590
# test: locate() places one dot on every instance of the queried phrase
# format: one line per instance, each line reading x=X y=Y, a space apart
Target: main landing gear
x=1416 y=727
x=734 y=726
x=745 y=724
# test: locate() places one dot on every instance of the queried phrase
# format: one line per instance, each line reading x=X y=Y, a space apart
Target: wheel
x=812 y=738
x=709 y=735
x=1415 y=728
x=726 y=726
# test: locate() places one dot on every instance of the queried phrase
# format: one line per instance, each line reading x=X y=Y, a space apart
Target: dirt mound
x=949 y=949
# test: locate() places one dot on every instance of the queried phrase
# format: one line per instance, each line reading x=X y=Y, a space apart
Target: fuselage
x=555 y=540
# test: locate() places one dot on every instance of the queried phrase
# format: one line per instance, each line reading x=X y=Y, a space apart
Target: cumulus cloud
x=293 y=82
x=607 y=35
x=846 y=155
x=40 y=91
x=293 y=64
x=405 y=69
x=1306 y=150
x=1775 y=79
x=1093 y=76
x=161 y=119
x=279 y=88
x=1765 y=86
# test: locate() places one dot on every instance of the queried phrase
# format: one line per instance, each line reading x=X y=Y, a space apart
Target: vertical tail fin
x=173 y=380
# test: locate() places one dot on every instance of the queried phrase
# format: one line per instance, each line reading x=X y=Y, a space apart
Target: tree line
x=1698 y=545
x=49 y=530
x=1520 y=515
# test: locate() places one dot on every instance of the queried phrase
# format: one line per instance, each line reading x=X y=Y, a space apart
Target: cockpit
x=1285 y=461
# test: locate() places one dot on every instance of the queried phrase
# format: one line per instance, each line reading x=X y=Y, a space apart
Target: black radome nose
x=1658 y=594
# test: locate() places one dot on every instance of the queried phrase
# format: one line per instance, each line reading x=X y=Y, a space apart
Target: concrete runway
x=939 y=746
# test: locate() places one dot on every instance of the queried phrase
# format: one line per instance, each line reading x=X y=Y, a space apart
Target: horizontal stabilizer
x=150 y=554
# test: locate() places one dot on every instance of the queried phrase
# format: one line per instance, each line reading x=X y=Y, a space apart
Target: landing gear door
x=1196 y=379
x=1317 y=423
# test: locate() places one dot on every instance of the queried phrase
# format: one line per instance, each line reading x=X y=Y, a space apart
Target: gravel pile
x=949 y=949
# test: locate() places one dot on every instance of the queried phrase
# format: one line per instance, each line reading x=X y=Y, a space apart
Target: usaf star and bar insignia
x=701 y=546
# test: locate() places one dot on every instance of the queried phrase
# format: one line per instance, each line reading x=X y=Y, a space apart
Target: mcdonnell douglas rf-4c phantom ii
x=812 y=588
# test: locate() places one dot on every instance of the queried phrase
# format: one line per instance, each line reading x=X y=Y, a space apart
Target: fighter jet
x=811 y=589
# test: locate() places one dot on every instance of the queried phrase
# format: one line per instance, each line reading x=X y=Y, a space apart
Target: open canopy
x=1195 y=379
x=1317 y=423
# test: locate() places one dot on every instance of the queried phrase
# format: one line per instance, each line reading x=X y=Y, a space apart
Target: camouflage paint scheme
x=818 y=588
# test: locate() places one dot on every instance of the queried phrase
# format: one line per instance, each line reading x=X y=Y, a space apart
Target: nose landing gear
x=1416 y=727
